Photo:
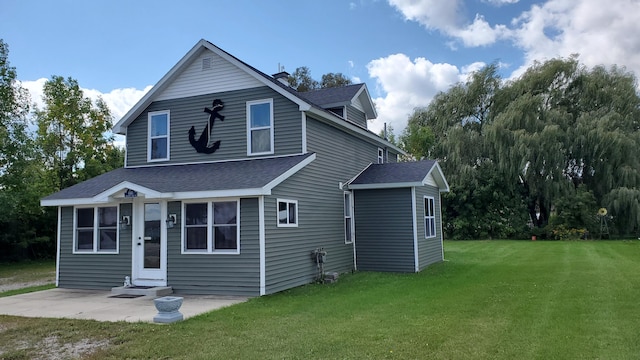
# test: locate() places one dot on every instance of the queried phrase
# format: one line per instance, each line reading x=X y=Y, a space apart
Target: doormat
x=125 y=296
x=140 y=287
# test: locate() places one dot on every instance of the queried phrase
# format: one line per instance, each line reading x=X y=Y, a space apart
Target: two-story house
x=235 y=184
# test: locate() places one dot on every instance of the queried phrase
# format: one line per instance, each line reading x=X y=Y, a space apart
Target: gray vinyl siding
x=384 y=230
x=92 y=271
x=217 y=274
x=429 y=250
x=232 y=132
x=339 y=157
x=356 y=116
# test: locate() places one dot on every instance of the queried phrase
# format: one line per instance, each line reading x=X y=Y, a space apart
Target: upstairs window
x=96 y=229
x=380 y=156
x=158 y=142
x=260 y=127
x=287 y=213
x=429 y=217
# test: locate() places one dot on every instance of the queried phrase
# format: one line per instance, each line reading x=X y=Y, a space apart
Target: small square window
x=287 y=213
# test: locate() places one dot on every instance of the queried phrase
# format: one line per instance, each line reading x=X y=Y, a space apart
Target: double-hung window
x=380 y=156
x=260 y=127
x=348 y=219
x=96 y=229
x=211 y=227
x=287 y=213
x=429 y=217
x=158 y=130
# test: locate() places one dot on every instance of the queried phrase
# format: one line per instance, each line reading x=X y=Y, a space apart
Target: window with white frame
x=429 y=217
x=260 y=127
x=96 y=229
x=380 y=156
x=158 y=142
x=287 y=213
x=211 y=227
x=348 y=218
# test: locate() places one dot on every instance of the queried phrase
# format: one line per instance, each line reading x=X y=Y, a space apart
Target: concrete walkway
x=97 y=305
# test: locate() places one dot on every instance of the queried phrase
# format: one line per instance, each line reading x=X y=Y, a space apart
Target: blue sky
x=405 y=50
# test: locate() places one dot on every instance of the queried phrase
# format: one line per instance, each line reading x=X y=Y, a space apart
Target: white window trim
x=287 y=201
x=270 y=127
x=380 y=156
x=168 y=136
x=209 y=250
x=350 y=217
x=96 y=231
x=430 y=198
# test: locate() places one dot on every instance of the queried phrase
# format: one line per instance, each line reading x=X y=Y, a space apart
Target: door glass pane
x=152 y=236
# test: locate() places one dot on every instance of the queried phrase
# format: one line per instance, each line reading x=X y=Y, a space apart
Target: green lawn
x=490 y=300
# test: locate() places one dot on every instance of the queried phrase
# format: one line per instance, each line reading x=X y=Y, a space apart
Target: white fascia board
x=369 y=101
x=275 y=182
x=188 y=195
x=148 y=193
x=70 y=202
x=366 y=133
x=438 y=176
x=147 y=99
x=384 y=185
x=303 y=105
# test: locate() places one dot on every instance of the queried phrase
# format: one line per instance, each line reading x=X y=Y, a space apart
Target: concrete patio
x=98 y=305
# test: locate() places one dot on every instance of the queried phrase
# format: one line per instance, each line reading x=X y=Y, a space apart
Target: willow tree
x=453 y=129
x=560 y=126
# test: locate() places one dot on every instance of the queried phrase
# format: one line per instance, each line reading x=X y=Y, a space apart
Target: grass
x=27 y=271
x=490 y=300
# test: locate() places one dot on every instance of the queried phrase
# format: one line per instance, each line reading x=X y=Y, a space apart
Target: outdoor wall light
x=124 y=222
x=171 y=220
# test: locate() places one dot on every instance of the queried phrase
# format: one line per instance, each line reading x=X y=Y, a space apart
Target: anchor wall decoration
x=203 y=143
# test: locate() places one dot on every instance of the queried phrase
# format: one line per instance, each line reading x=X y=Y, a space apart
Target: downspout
x=415 y=230
x=262 y=245
x=58 y=247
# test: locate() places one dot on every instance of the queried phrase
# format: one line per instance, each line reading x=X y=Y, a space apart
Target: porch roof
x=190 y=181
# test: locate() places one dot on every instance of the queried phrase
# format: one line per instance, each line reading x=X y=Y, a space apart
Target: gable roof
x=402 y=174
x=340 y=96
x=286 y=91
x=230 y=178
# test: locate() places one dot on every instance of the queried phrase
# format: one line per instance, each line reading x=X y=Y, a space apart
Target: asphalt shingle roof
x=231 y=175
x=393 y=173
x=328 y=96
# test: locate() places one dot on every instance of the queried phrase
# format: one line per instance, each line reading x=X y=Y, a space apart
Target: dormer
x=351 y=102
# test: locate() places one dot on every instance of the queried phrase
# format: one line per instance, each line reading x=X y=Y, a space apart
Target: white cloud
x=119 y=101
x=446 y=17
x=600 y=33
x=408 y=84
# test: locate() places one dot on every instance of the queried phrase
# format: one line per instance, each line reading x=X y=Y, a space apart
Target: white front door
x=150 y=244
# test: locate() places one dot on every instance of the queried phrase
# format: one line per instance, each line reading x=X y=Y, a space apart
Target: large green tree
x=22 y=231
x=73 y=134
x=558 y=132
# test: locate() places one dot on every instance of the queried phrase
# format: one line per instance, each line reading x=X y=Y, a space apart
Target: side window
x=260 y=127
x=429 y=217
x=380 y=156
x=158 y=141
x=287 y=213
x=211 y=227
x=96 y=230
x=348 y=219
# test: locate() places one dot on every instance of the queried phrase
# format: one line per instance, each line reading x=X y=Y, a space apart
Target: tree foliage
x=302 y=81
x=71 y=144
x=558 y=132
x=72 y=133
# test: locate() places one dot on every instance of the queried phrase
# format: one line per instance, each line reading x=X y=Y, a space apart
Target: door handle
x=139 y=244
